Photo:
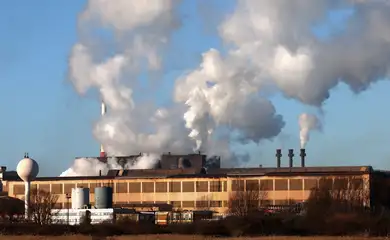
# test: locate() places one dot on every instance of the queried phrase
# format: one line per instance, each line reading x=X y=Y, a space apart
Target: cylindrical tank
x=80 y=197
x=103 y=197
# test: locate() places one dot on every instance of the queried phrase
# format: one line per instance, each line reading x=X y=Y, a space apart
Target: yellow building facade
x=199 y=192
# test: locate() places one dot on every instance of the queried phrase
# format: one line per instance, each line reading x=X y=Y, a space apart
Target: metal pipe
x=278 y=157
x=291 y=157
x=103 y=112
x=303 y=155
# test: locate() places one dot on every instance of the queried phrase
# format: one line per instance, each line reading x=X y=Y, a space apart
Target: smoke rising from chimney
x=307 y=123
x=270 y=43
x=93 y=167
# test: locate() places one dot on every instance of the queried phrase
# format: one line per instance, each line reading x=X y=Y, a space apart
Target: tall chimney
x=303 y=155
x=290 y=157
x=278 y=157
x=103 y=112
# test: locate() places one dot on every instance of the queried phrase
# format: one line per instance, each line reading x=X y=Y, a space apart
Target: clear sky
x=41 y=113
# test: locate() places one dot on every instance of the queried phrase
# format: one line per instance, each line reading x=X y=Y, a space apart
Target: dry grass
x=175 y=237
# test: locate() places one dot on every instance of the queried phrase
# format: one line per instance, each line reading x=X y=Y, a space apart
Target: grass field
x=175 y=237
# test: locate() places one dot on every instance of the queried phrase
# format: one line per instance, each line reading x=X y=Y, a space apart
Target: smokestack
x=290 y=157
x=303 y=155
x=103 y=112
x=278 y=157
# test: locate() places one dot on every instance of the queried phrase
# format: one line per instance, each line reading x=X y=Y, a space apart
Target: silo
x=103 y=197
x=80 y=197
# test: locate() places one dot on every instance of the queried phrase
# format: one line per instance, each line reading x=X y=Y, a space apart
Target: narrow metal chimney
x=303 y=155
x=278 y=157
x=103 y=112
x=290 y=157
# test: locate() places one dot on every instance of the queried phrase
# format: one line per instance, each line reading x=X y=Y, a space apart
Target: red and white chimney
x=103 y=112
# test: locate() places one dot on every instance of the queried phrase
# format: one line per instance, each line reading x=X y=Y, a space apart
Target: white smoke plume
x=93 y=167
x=307 y=123
x=268 y=43
x=272 y=43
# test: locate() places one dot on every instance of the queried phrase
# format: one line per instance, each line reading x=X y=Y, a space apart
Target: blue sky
x=42 y=114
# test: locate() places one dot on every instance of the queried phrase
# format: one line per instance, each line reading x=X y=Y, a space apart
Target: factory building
x=187 y=183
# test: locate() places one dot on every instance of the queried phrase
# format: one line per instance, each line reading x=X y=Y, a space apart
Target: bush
x=335 y=224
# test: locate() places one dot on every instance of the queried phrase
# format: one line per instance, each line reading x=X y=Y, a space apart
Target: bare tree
x=339 y=195
x=352 y=195
x=246 y=199
x=41 y=205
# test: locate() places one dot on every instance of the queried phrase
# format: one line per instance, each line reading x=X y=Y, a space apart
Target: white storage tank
x=80 y=197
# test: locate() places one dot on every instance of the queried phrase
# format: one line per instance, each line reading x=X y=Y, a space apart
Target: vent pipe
x=278 y=157
x=290 y=157
x=103 y=112
x=303 y=155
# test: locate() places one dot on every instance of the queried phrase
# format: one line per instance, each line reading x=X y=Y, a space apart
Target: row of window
x=296 y=184
x=197 y=204
x=206 y=186
x=136 y=187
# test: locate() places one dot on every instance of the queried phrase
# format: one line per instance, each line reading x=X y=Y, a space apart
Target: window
x=310 y=184
x=296 y=184
x=44 y=187
x=341 y=183
x=202 y=204
x=215 y=186
x=68 y=187
x=281 y=184
x=252 y=185
x=175 y=187
x=56 y=188
x=161 y=187
x=18 y=189
x=188 y=186
x=225 y=203
x=135 y=187
x=238 y=185
x=121 y=187
x=176 y=204
x=188 y=204
x=225 y=186
x=202 y=186
x=148 y=187
x=267 y=185
x=215 y=203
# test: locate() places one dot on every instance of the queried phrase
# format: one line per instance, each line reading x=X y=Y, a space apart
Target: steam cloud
x=270 y=43
x=307 y=123
x=92 y=167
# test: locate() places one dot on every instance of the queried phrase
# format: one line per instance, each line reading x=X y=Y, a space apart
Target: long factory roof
x=212 y=173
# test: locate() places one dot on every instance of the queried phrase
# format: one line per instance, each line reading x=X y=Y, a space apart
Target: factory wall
x=192 y=193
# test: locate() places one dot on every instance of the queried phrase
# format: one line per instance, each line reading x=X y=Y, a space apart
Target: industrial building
x=187 y=182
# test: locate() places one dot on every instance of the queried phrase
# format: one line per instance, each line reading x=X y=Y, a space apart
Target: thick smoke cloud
x=269 y=43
